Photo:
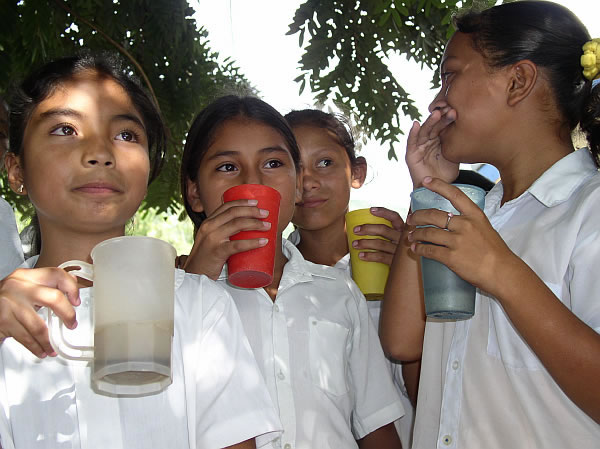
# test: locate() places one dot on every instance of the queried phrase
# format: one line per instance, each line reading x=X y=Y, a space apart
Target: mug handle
x=56 y=328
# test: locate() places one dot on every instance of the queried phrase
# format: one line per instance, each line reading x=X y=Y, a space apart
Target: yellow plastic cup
x=369 y=276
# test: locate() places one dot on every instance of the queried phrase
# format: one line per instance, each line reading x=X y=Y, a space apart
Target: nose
x=309 y=180
x=439 y=101
x=98 y=153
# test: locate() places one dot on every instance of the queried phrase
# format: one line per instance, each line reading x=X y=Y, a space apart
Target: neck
x=61 y=246
x=324 y=246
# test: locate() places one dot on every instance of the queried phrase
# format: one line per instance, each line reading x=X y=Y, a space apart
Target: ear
x=359 y=172
x=192 y=196
x=523 y=76
x=16 y=175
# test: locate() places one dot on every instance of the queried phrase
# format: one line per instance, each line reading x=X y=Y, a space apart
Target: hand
x=470 y=247
x=212 y=246
x=23 y=292
x=384 y=249
x=424 y=151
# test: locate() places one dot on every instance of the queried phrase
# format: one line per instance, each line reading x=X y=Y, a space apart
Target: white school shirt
x=11 y=252
x=320 y=355
x=481 y=385
x=404 y=425
x=218 y=397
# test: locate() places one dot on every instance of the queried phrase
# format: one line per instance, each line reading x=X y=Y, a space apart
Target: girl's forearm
x=566 y=346
x=403 y=316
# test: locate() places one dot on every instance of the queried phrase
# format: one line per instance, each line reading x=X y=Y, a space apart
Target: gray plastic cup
x=447 y=295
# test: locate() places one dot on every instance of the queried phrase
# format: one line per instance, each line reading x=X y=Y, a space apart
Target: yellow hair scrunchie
x=590 y=60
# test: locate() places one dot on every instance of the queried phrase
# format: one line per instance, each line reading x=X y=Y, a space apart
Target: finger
x=459 y=200
x=413 y=136
x=379 y=230
x=32 y=332
x=238 y=246
x=375 y=244
x=376 y=256
x=56 y=300
x=448 y=117
x=436 y=236
x=240 y=208
x=390 y=215
x=430 y=217
x=52 y=277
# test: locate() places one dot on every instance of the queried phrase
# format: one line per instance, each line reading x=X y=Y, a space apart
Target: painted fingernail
x=263 y=212
x=266 y=224
x=263 y=242
x=252 y=202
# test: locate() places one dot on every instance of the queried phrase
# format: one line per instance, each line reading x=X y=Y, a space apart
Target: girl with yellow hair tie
x=523 y=372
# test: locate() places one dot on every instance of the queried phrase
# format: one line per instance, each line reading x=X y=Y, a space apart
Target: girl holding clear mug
x=523 y=371
x=85 y=141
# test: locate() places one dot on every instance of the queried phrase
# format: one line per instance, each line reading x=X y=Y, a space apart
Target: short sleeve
x=377 y=401
x=11 y=252
x=231 y=401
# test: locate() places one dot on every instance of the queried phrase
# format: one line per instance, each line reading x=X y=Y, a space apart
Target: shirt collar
x=558 y=182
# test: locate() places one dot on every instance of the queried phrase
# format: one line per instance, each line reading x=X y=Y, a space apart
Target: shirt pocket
x=505 y=342
x=328 y=344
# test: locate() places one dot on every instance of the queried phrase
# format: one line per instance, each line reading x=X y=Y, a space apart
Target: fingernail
x=263 y=242
x=410 y=236
x=361 y=255
x=53 y=354
x=355 y=244
x=43 y=355
x=356 y=229
x=263 y=212
x=426 y=179
x=74 y=325
x=252 y=202
x=374 y=209
x=266 y=224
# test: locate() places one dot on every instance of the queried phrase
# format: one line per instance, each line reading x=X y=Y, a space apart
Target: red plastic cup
x=254 y=268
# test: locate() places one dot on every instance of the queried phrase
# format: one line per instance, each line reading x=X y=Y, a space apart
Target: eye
x=64 y=130
x=273 y=163
x=445 y=75
x=324 y=163
x=226 y=167
x=127 y=136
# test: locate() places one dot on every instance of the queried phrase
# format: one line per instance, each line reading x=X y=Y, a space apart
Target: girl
x=523 y=372
x=10 y=244
x=309 y=329
x=85 y=141
x=330 y=169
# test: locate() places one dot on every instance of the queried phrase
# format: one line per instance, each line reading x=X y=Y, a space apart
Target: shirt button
x=287 y=446
x=280 y=375
x=276 y=308
x=455 y=365
x=447 y=440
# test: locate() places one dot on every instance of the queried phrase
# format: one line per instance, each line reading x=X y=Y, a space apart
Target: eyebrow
x=76 y=114
x=266 y=150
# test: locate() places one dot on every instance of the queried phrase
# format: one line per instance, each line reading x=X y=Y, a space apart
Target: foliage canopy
x=349 y=42
x=158 y=39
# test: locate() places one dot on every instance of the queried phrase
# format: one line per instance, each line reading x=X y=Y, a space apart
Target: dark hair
x=335 y=123
x=551 y=37
x=210 y=119
x=43 y=82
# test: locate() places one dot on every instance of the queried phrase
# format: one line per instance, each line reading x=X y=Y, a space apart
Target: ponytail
x=590 y=121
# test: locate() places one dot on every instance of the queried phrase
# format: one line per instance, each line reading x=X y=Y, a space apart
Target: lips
x=310 y=203
x=98 y=188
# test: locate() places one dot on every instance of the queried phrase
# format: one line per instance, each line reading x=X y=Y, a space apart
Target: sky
x=253 y=34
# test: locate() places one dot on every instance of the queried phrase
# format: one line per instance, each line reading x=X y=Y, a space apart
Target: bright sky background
x=253 y=34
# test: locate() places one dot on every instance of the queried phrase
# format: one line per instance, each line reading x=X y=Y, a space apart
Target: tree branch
x=121 y=49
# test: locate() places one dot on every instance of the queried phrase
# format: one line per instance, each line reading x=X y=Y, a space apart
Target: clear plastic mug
x=132 y=316
x=447 y=295
x=369 y=276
